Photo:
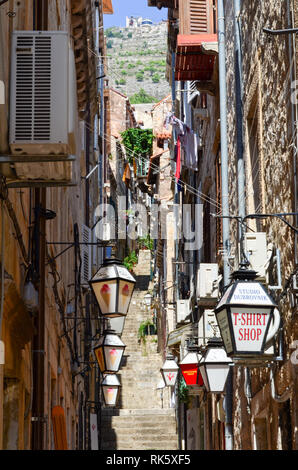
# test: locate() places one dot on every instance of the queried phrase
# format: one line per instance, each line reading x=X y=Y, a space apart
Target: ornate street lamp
x=214 y=366
x=113 y=286
x=190 y=368
x=109 y=352
x=169 y=371
x=110 y=387
x=247 y=316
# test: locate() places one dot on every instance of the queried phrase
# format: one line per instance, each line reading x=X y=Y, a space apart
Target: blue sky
x=123 y=8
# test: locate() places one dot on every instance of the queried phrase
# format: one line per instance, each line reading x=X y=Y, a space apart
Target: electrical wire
x=143 y=159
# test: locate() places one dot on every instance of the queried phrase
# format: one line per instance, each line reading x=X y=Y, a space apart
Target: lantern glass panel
x=170 y=377
x=225 y=332
x=113 y=357
x=191 y=374
x=100 y=358
x=125 y=293
x=106 y=296
x=117 y=324
x=250 y=328
x=110 y=387
x=215 y=376
x=110 y=394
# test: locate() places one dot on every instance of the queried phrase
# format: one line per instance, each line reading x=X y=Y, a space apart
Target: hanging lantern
x=116 y=324
x=190 y=369
x=110 y=387
x=214 y=366
x=113 y=286
x=169 y=371
x=109 y=352
x=247 y=316
x=148 y=299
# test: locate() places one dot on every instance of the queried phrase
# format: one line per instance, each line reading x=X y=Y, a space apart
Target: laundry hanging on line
x=189 y=140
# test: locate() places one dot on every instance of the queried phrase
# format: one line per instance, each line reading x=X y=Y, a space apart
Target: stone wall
x=268 y=133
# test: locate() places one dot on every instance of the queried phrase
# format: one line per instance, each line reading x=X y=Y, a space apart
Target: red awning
x=195 y=56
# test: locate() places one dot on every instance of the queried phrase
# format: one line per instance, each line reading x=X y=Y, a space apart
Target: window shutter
x=196 y=17
x=85 y=255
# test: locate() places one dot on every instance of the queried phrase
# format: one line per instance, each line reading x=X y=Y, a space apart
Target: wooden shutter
x=196 y=17
x=59 y=428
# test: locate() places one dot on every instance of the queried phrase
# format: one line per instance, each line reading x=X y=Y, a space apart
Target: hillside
x=137 y=59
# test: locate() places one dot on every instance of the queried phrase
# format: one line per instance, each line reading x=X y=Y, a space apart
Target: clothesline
x=186 y=140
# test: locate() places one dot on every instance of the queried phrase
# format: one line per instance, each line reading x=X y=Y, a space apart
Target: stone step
x=139 y=445
x=144 y=425
x=151 y=433
x=136 y=412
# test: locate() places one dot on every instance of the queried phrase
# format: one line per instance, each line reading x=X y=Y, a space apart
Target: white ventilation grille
x=24 y=88
x=40 y=87
x=33 y=88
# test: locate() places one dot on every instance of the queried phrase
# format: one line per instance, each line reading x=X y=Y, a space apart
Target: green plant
x=130 y=261
x=183 y=394
x=145 y=328
x=140 y=76
x=122 y=81
x=146 y=242
x=109 y=44
x=141 y=97
x=138 y=142
x=155 y=78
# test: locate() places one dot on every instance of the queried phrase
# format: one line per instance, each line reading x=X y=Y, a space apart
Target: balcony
x=195 y=57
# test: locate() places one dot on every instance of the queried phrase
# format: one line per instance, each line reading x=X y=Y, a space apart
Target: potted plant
x=146 y=328
x=130 y=261
x=145 y=243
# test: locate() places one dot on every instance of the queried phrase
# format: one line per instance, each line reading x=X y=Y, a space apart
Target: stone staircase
x=139 y=422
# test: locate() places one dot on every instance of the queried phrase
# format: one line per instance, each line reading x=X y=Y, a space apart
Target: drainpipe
x=240 y=152
x=239 y=113
x=294 y=113
x=225 y=198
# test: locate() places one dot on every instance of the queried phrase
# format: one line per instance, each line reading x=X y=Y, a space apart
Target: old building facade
x=48 y=202
x=261 y=140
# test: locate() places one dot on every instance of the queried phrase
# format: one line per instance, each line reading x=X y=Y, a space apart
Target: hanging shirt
x=178 y=160
x=189 y=142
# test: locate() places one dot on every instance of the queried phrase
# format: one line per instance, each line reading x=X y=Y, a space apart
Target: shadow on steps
x=142 y=282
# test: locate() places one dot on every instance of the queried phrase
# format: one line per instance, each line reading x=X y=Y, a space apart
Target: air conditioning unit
x=255 y=247
x=207 y=284
x=43 y=101
x=183 y=310
x=207 y=327
x=86 y=269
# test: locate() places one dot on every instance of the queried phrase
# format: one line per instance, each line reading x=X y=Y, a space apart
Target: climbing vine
x=137 y=142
